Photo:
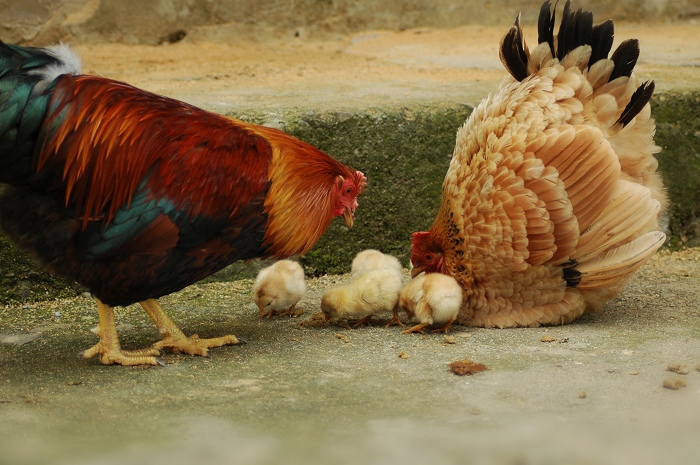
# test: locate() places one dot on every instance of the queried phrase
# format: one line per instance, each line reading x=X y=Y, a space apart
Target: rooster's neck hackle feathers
x=302 y=197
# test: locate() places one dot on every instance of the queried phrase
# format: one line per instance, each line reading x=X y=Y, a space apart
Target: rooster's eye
x=348 y=190
x=428 y=258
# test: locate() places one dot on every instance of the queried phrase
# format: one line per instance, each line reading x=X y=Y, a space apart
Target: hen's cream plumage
x=552 y=198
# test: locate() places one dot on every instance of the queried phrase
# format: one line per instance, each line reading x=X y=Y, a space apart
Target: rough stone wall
x=137 y=21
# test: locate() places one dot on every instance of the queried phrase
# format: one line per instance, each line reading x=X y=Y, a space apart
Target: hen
x=136 y=195
x=551 y=200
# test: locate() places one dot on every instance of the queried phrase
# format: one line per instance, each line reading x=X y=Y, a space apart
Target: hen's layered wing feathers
x=552 y=198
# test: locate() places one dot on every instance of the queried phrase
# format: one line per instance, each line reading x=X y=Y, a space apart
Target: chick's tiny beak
x=349 y=217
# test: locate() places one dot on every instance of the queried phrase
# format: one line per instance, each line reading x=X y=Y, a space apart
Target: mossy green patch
x=21 y=280
x=678 y=133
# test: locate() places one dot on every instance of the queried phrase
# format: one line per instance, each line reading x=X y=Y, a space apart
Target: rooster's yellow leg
x=415 y=329
x=175 y=340
x=109 y=349
x=395 y=320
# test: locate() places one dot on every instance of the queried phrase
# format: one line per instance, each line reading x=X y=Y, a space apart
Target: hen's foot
x=194 y=345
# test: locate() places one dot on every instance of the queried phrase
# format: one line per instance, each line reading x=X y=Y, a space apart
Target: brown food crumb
x=297 y=312
x=674 y=383
x=343 y=338
x=449 y=339
x=403 y=354
x=75 y=383
x=466 y=367
x=678 y=368
x=582 y=394
x=317 y=319
x=547 y=338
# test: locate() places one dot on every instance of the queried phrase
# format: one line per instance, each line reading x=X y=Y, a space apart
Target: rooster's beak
x=349 y=217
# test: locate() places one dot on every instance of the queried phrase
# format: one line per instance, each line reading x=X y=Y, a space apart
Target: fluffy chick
x=366 y=294
x=432 y=298
x=372 y=259
x=278 y=287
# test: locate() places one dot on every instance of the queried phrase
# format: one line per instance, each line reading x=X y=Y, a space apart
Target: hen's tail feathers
x=26 y=80
x=576 y=30
x=619 y=262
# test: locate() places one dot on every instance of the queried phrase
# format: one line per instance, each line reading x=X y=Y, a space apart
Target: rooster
x=136 y=196
x=552 y=198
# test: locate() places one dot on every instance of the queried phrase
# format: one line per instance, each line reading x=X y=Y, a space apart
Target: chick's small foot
x=443 y=329
x=116 y=356
x=415 y=329
x=267 y=314
x=395 y=320
x=270 y=313
x=194 y=345
x=363 y=321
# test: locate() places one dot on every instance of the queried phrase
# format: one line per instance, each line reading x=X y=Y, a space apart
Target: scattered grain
x=674 y=383
x=678 y=368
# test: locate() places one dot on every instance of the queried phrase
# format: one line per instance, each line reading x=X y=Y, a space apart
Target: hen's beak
x=416 y=271
x=349 y=217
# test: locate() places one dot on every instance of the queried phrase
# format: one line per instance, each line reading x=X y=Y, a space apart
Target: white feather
x=68 y=63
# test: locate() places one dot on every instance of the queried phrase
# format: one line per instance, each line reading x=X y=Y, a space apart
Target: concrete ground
x=302 y=391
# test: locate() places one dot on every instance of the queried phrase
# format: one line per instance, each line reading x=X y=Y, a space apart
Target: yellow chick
x=278 y=287
x=372 y=259
x=432 y=298
x=366 y=294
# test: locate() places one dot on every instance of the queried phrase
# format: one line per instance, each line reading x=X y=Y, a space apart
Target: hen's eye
x=348 y=190
x=428 y=257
